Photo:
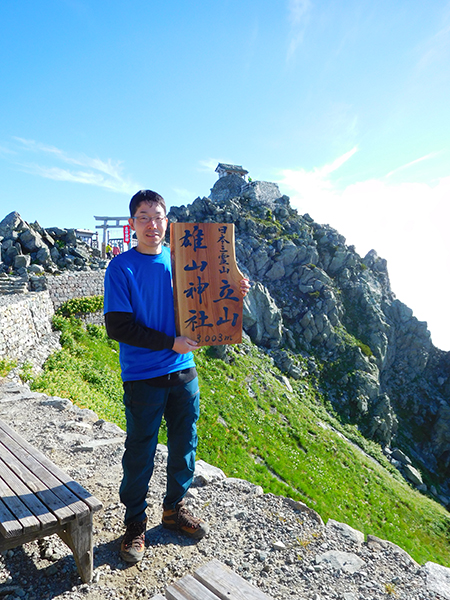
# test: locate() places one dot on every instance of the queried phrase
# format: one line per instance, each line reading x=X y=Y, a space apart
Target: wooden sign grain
x=206 y=279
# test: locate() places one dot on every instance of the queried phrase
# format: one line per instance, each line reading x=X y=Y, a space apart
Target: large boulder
x=12 y=222
x=226 y=188
x=43 y=255
x=31 y=240
x=262 y=318
x=262 y=193
x=22 y=261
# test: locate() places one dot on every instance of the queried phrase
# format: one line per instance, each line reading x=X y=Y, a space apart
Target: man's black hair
x=146 y=196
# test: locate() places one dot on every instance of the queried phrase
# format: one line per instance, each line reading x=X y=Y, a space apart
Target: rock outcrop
x=314 y=296
x=29 y=250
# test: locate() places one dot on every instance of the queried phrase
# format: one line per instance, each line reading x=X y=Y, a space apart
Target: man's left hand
x=244 y=286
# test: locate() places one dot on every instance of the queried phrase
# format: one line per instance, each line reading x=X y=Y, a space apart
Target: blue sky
x=344 y=104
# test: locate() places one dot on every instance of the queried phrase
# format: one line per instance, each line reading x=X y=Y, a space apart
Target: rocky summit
x=29 y=250
x=279 y=545
x=314 y=297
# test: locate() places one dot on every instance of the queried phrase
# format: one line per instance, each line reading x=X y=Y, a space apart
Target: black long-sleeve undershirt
x=122 y=327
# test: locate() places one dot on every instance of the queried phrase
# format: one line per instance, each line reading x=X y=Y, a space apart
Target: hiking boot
x=180 y=519
x=133 y=544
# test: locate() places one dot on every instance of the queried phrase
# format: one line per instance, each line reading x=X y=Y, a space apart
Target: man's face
x=150 y=224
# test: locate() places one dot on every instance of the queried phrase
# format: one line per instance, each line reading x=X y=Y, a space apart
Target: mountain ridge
x=315 y=297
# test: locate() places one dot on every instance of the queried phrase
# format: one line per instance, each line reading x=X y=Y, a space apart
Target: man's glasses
x=146 y=219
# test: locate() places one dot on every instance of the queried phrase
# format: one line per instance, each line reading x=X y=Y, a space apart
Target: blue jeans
x=145 y=406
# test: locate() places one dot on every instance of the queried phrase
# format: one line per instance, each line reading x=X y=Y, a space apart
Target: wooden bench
x=212 y=581
x=37 y=499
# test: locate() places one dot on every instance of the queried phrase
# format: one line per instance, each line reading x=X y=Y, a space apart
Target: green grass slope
x=282 y=437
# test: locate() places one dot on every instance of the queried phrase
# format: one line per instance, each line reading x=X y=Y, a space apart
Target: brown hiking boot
x=133 y=544
x=180 y=519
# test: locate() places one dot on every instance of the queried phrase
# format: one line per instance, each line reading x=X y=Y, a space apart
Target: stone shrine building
x=223 y=170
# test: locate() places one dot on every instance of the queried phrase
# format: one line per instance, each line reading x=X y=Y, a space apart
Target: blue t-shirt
x=142 y=284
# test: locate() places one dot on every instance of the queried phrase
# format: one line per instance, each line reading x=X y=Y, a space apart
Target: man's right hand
x=183 y=345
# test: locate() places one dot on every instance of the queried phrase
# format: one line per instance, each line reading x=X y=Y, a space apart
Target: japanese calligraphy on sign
x=206 y=280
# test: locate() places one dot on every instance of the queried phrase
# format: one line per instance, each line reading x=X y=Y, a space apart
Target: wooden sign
x=206 y=280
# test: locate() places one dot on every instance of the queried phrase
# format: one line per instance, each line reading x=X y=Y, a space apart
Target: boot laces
x=187 y=519
x=134 y=535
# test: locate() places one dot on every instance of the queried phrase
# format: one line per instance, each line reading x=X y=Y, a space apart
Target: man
x=158 y=372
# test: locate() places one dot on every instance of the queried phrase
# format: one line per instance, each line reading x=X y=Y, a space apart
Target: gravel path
x=279 y=545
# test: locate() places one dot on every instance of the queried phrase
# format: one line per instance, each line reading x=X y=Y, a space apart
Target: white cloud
x=105 y=174
x=5 y=150
x=413 y=162
x=338 y=162
x=115 y=184
x=316 y=183
x=38 y=146
x=436 y=48
x=406 y=223
x=298 y=11
x=209 y=164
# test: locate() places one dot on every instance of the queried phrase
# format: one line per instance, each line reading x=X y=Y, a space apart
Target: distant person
x=108 y=251
x=115 y=251
x=159 y=376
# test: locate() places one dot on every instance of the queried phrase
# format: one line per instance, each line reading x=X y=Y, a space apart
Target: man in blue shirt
x=158 y=372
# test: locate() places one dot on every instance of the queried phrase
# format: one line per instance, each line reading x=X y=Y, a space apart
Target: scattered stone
x=346 y=532
x=258 y=535
x=438 y=579
x=397 y=454
x=344 y=561
x=205 y=473
x=94 y=444
x=413 y=474
x=278 y=545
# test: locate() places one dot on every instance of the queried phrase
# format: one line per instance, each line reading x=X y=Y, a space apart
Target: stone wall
x=25 y=327
x=25 y=318
x=72 y=284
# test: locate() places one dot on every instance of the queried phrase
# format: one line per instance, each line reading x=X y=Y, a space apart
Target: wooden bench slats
x=189 y=588
x=213 y=581
x=225 y=584
x=46 y=518
x=37 y=499
x=14 y=542
x=9 y=526
x=47 y=494
x=41 y=481
x=93 y=503
x=20 y=518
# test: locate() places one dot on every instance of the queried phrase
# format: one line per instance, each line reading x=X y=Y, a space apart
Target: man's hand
x=183 y=345
x=244 y=286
